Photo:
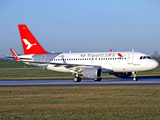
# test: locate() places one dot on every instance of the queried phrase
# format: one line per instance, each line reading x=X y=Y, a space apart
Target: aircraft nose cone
x=155 y=64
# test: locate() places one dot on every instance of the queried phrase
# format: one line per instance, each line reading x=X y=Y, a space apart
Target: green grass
x=13 y=64
x=80 y=102
x=32 y=74
x=158 y=60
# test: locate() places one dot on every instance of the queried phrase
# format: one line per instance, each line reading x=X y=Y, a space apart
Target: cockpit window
x=148 y=57
x=145 y=57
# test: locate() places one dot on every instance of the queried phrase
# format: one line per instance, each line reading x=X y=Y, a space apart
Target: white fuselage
x=107 y=61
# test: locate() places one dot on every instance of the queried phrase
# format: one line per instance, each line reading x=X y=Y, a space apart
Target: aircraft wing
x=74 y=67
x=66 y=64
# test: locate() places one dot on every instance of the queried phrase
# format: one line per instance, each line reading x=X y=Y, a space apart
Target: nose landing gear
x=134 y=76
x=135 y=79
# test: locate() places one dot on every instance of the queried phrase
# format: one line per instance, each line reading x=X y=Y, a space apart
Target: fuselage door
x=130 y=58
x=42 y=59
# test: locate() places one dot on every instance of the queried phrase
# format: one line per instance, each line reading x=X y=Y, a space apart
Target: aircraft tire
x=77 y=79
x=135 y=79
x=97 y=79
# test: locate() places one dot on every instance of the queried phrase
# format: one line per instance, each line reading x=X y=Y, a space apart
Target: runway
x=84 y=82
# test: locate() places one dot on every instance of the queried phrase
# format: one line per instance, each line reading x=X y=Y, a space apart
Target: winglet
x=14 y=54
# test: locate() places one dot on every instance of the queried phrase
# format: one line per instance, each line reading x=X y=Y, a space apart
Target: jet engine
x=122 y=74
x=92 y=73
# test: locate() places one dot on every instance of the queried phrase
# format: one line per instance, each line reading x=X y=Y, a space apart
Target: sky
x=82 y=25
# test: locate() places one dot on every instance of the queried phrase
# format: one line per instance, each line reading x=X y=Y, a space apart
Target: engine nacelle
x=122 y=74
x=92 y=73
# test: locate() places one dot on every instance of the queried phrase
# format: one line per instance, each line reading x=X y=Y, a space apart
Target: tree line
x=155 y=54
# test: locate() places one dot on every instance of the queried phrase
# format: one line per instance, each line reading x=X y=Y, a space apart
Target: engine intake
x=92 y=73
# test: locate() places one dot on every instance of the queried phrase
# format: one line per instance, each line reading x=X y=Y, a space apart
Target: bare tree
x=155 y=54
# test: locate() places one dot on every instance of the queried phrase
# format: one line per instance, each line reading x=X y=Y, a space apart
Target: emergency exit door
x=130 y=58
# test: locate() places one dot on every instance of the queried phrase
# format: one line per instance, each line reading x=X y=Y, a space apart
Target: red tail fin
x=30 y=44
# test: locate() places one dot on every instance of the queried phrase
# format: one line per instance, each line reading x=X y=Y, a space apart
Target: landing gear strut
x=77 y=78
x=134 y=76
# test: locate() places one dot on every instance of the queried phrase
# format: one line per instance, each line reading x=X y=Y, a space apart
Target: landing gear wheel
x=97 y=79
x=77 y=79
x=135 y=79
x=134 y=76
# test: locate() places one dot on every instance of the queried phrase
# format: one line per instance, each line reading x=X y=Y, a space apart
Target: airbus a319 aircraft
x=87 y=64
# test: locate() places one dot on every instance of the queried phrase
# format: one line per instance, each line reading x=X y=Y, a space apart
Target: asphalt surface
x=84 y=82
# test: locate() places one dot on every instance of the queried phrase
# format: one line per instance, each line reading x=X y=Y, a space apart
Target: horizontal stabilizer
x=14 y=54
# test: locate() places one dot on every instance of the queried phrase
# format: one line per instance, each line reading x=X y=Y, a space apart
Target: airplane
x=90 y=65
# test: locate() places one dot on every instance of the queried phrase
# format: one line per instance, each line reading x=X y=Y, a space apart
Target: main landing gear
x=77 y=79
x=134 y=76
x=98 y=79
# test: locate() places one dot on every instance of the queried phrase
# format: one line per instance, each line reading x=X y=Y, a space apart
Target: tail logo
x=29 y=45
